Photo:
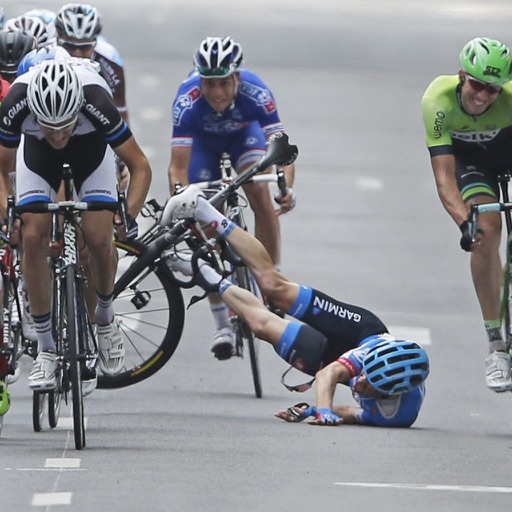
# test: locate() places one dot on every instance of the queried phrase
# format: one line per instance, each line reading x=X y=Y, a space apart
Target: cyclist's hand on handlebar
x=287 y=202
x=129 y=232
x=466 y=241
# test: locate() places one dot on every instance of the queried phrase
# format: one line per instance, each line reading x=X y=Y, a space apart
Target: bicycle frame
x=505 y=207
x=279 y=152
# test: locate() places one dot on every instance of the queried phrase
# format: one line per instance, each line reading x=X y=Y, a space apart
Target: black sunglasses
x=478 y=86
x=83 y=47
x=300 y=388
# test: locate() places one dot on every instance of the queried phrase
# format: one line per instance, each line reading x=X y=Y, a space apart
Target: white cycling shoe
x=43 y=376
x=111 y=348
x=497 y=374
x=182 y=205
x=223 y=343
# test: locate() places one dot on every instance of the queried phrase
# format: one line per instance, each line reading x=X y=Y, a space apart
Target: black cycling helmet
x=13 y=47
x=218 y=57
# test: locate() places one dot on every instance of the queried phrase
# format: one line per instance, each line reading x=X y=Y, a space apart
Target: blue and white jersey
x=193 y=116
x=395 y=411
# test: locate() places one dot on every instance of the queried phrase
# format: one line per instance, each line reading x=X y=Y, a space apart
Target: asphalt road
x=348 y=77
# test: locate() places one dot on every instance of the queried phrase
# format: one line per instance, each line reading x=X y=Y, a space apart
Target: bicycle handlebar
x=62 y=206
x=477 y=209
x=279 y=152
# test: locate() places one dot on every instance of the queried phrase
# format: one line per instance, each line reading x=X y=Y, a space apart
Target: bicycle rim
x=151 y=315
x=75 y=365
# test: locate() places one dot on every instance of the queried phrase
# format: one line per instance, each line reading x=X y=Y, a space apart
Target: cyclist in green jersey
x=468 y=124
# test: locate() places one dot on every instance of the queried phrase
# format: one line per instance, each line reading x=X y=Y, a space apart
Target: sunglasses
x=300 y=388
x=478 y=86
x=206 y=71
x=71 y=47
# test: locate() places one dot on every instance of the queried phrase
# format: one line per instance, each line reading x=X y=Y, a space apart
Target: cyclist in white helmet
x=64 y=110
x=336 y=342
x=78 y=28
x=43 y=33
x=219 y=108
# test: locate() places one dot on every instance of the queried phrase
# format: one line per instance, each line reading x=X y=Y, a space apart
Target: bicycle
x=13 y=342
x=504 y=206
x=76 y=345
x=240 y=274
x=148 y=262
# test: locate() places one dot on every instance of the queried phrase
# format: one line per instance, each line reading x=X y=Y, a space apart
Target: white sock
x=220 y=314
x=208 y=214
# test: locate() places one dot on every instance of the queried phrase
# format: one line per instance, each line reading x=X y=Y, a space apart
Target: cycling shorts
x=246 y=147
x=39 y=169
x=477 y=170
x=344 y=325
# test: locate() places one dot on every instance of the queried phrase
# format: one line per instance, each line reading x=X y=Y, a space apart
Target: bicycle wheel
x=243 y=335
x=75 y=359
x=151 y=315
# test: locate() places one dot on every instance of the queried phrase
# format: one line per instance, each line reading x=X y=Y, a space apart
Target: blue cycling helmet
x=393 y=367
x=36 y=56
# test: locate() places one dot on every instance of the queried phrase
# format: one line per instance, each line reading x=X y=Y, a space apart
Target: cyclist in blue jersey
x=223 y=108
x=61 y=111
x=336 y=342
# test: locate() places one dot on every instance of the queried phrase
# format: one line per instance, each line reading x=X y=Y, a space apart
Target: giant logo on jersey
x=184 y=102
x=260 y=95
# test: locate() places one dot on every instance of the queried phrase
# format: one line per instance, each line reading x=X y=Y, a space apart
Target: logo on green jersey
x=492 y=71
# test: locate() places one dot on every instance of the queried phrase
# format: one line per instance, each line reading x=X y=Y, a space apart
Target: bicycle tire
x=75 y=362
x=54 y=402
x=38 y=408
x=153 y=301
x=245 y=280
x=507 y=298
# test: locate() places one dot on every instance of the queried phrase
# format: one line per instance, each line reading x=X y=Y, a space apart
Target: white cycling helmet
x=43 y=14
x=31 y=25
x=218 y=57
x=55 y=93
x=78 y=21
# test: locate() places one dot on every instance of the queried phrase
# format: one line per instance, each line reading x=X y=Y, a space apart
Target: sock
x=43 y=327
x=105 y=309
x=208 y=214
x=220 y=314
x=493 y=329
x=4 y=367
x=213 y=279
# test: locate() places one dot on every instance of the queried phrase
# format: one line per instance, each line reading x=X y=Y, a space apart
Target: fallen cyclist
x=336 y=342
